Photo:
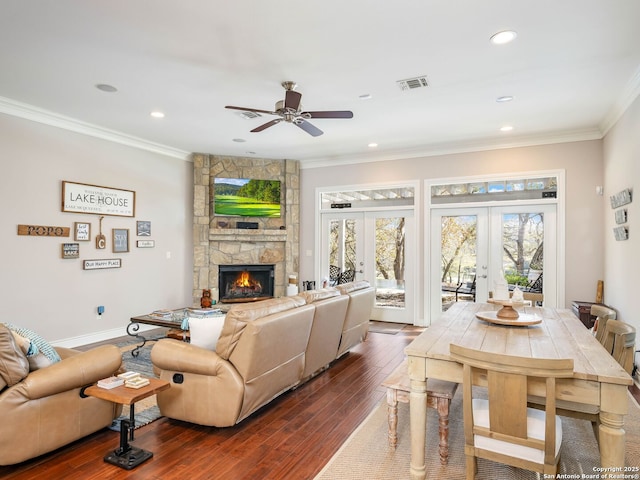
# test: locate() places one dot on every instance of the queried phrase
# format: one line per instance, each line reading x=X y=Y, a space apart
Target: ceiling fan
x=290 y=110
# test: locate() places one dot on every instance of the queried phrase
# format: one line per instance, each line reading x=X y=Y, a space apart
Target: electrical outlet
x=100 y=311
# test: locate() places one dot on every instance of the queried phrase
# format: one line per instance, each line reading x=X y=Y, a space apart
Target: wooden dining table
x=599 y=383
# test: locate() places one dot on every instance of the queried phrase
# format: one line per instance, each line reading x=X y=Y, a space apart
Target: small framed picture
x=81 y=232
x=143 y=228
x=145 y=243
x=621 y=233
x=120 y=240
x=70 y=250
x=621 y=216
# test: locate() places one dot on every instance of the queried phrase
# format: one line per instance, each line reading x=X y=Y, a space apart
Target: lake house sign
x=82 y=198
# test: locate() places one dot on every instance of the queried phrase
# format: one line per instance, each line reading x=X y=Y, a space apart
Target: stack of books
x=110 y=382
x=133 y=380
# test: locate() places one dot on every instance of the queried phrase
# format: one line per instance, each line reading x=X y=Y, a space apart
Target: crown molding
x=625 y=99
x=457 y=147
x=631 y=92
x=35 y=114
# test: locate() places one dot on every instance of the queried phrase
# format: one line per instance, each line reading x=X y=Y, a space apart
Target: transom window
x=495 y=190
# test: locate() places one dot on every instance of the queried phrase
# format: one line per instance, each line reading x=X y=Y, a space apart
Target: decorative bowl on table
x=507 y=311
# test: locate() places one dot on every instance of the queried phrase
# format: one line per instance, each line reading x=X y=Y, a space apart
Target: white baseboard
x=96 y=337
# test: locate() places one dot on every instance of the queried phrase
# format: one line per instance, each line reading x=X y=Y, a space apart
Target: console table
x=173 y=323
x=134 y=327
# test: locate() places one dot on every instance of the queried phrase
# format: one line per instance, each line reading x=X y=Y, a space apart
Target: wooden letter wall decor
x=43 y=231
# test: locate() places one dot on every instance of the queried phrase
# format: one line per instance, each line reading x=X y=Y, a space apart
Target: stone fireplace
x=245 y=283
x=218 y=241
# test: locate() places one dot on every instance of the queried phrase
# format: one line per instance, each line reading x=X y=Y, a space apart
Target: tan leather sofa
x=45 y=410
x=265 y=348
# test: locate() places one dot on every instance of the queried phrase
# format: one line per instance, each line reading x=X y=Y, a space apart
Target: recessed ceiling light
x=504 y=98
x=365 y=96
x=372 y=145
x=506 y=128
x=157 y=114
x=503 y=37
x=106 y=88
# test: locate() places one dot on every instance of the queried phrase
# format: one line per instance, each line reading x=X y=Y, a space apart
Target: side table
x=582 y=310
x=127 y=456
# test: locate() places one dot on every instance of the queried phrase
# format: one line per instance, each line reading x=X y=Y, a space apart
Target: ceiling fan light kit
x=290 y=110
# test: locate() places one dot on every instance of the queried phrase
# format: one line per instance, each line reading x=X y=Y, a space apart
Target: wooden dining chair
x=620 y=341
x=499 y=426
x=536 y=299
x=602 y=314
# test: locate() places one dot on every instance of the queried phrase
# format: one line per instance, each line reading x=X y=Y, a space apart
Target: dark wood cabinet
x=582 y=310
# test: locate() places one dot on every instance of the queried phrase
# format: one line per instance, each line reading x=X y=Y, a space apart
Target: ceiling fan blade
x=292 y=99
x=267 y=125
x=247 y=109
x=310 y=129
x=328 y=114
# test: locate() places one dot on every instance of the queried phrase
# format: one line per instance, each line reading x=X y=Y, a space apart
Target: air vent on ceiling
x=412 y=83
x=249 y=115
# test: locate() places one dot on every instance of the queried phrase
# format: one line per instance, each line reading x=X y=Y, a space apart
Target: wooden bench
x=439 y=395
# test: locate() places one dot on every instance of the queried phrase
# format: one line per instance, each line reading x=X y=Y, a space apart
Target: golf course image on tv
x=243 y=197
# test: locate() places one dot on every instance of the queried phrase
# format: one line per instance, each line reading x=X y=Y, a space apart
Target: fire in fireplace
x=245 y=283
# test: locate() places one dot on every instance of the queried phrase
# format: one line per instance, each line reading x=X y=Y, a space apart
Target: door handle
x=482 y=276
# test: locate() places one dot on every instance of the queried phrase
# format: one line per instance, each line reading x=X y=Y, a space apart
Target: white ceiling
x=573 y=69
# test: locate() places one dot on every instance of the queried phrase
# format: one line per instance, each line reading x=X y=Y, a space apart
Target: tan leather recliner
x=259 y=355
x=45 y=411
x=326 y=332
x=356 y=321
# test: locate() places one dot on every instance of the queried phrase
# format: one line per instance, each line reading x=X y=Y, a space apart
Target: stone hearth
x=215 y=243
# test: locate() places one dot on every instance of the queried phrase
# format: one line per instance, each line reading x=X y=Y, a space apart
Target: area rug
x=146 y=410
x=366 y=453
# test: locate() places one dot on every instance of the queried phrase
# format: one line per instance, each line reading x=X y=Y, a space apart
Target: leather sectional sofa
x=265 y=348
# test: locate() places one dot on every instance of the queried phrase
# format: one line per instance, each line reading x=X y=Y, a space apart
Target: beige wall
x=582 y=162
x=622 y=258
x=56 y=297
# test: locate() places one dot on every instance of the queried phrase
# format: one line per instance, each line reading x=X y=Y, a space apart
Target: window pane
x=390 y=262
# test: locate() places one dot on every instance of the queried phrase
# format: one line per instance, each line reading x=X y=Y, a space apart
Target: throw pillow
x=39 y=352
x=13 y=364
x=204 y=332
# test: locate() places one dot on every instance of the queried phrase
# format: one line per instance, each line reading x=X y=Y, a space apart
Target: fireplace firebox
x=245 y=283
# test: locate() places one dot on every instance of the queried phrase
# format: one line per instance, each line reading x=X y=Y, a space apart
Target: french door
x=378 y=246
x=472 y=247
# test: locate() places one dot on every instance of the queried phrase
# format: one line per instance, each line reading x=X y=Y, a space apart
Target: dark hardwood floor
x=291 y=438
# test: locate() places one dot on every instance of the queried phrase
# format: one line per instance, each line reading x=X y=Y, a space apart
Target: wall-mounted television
x=244 y=197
